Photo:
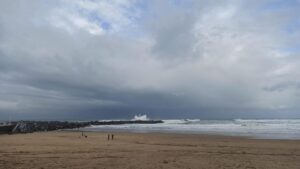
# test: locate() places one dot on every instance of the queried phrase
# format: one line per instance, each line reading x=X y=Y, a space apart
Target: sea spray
x=140 y=117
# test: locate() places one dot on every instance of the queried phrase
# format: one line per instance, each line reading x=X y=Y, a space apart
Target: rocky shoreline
x=34 y=126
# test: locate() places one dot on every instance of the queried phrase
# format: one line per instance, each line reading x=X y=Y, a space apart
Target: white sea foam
x=270 y=128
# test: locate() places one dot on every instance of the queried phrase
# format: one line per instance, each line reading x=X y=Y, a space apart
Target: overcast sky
x=89 y=59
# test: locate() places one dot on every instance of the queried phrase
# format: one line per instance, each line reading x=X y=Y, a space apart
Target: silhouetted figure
x=112 y=137
x=108 y=137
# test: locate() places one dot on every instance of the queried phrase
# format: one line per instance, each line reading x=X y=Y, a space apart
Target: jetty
x=34 y=126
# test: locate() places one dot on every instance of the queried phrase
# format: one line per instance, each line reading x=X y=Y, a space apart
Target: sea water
x=265 y=129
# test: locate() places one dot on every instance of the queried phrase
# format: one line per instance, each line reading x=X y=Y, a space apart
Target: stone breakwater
x=33 y=126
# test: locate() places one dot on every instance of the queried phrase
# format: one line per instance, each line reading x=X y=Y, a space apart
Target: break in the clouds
x=85 y=59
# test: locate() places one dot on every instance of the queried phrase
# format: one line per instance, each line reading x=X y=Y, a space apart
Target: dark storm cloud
x=221 y=59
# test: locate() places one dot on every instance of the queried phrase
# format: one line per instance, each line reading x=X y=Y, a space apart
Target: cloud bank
x=89 y=59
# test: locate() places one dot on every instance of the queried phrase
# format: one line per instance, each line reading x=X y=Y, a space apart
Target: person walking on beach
x=112 y=136
x=108 y=136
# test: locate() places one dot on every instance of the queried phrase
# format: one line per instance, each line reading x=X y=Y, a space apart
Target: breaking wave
x=140 y=117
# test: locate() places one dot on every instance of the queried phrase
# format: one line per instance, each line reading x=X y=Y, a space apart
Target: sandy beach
x=63 y=149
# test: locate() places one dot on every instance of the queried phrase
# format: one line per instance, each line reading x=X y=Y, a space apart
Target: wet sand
x=64 y=149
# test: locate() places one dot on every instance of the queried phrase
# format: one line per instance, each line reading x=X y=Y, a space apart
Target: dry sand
x=135 y=151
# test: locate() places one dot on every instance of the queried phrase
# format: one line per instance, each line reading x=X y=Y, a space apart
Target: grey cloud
x=283 y=86
x=173 y=34
x=202 y=60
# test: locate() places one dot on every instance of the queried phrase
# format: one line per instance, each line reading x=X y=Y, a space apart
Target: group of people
x=83 y=134
x=110 y=136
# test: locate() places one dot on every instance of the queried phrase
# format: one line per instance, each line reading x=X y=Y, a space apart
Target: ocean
x=262 y=129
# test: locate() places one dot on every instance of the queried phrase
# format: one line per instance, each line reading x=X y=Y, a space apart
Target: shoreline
x=259 y=129
x=249 y=136
x=68 y=149
x=177 y=133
